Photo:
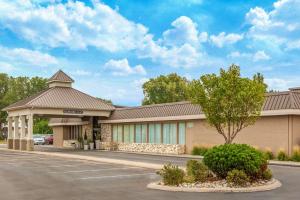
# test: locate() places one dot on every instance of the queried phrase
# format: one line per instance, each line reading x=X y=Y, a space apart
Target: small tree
x=229 y=102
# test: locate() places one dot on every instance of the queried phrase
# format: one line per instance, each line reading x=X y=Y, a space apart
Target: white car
x=37 y=139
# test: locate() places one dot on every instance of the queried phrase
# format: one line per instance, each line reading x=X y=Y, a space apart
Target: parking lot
x=30 y=176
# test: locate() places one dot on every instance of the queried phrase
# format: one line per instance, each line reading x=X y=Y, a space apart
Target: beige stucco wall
x=296 y=131
x=58 y=136
x=267 y=132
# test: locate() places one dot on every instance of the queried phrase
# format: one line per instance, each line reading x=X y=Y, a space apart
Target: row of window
x=166 y=133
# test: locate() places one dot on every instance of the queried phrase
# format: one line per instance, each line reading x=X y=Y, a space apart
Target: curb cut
x=274 y=185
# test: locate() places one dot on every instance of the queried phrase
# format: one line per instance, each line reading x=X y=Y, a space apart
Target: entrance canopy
x=58 y=101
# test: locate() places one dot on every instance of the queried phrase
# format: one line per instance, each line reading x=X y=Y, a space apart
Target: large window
x=181 y=133
x=141 y=133
x=155 y=133
x=117 y=133
x=129 y=133
x=170 y=133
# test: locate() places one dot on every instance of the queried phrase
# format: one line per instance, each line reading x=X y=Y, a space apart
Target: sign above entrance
x=73 y=112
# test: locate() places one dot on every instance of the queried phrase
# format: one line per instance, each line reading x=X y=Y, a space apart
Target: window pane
x=181 y=133
x=144 y=133
x=157 y=134
x=166 y=133
x=131 y=134
x=115 y=133
x=138 y=137
x=151 y=133
x=126 y=133
x=173 y=133
x=120 y=136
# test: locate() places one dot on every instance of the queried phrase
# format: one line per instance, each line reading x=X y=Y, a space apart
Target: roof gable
x=62 y=97
x=60 y=76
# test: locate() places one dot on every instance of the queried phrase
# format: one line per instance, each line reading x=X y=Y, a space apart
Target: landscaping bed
x=225 y=168
x=217 y=186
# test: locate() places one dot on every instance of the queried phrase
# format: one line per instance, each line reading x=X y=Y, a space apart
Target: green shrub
x=282 y=156
x=171 y=175
x=188 y=179
x=267 y=174
x=237 y=178
x=269 y=155
x=198 y=170
x=225 y=158
x=296 y=156
x=199 y=150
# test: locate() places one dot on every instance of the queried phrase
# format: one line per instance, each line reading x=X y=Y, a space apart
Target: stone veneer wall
x=106 y=133
x=152 y=148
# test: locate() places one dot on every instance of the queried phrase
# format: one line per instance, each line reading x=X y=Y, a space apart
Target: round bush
x=282 y=156
x=171 y=175
x=225 y=158
x=237 y=178
x=197 y=170
x=267 y=175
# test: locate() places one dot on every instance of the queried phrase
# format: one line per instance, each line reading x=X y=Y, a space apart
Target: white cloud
x=81 y=72
x=281 y=84
x=237 y=54
x=122 y=68
x=72 y=25
x=260 y=55
x=6 y=67
x=20 y=57
x=279 y=28
x=257 y=56
x=184 y=31
x=222 y=39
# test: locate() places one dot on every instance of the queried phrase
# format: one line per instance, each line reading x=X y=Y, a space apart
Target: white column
x=30 y=132
x=16 y=143
x=9 y=133
x=23 y=132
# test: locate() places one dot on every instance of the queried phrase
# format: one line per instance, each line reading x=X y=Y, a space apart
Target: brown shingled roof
x=158 y=110
x=61 y=97
x=61 y=77
x=273 y=101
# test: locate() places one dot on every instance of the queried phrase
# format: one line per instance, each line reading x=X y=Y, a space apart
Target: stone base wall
x=10 y=143
x=23 y=144
x=105 y=133
x=16 y=144
x=152 y=148
x=70 y=143
x=30 y=145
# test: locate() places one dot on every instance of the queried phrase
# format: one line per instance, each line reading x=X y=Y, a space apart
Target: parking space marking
x=96 y=170
x=115 y=176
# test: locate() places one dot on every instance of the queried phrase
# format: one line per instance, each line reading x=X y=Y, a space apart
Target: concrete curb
x=284 y=163
x=271 y=186
x=91 y=158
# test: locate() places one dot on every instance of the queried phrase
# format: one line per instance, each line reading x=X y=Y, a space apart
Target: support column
x=30 y=143
x=16 y=143
x=23 y=139
x=10 y=139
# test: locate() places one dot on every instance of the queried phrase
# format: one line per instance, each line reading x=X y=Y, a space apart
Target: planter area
x=225 y=168
x=217 y=186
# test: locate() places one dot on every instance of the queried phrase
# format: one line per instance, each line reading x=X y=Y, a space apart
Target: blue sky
x=111 y=47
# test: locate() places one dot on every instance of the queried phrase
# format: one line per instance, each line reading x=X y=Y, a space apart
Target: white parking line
x=116 y=176
x=96 y=170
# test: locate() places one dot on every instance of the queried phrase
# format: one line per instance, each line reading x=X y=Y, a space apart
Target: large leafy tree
x=229 y=101
x=165 y=89
x=13 y=89
x=41 y=126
